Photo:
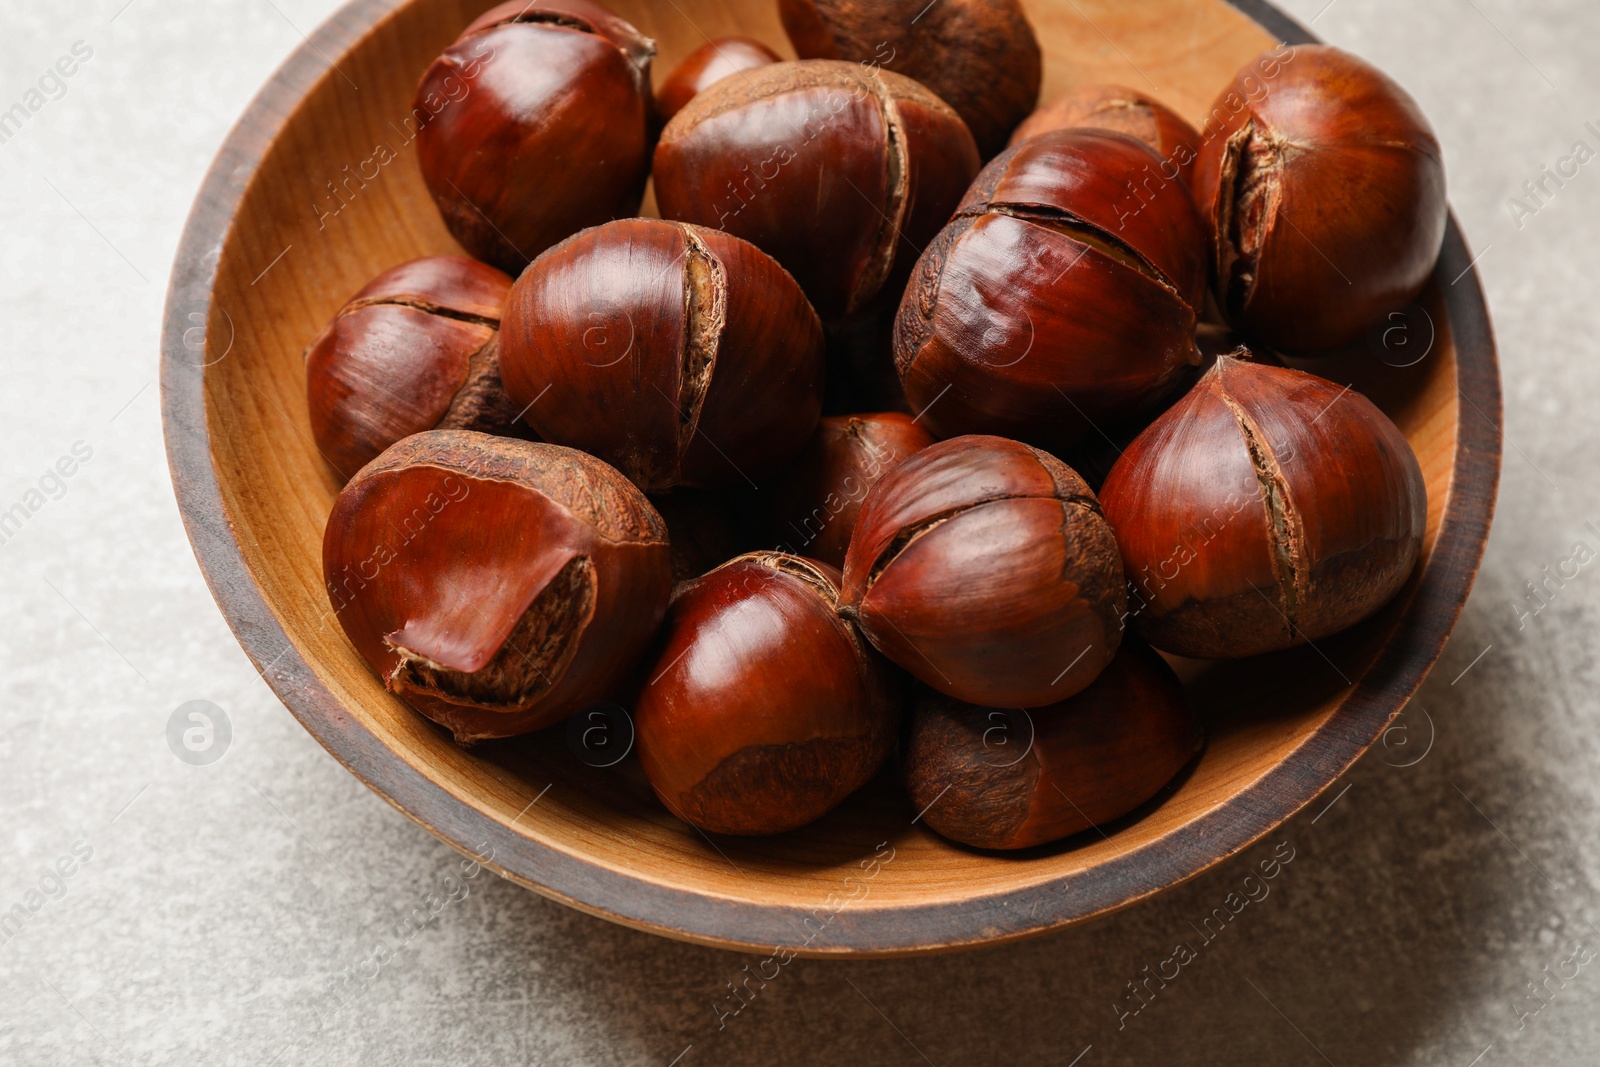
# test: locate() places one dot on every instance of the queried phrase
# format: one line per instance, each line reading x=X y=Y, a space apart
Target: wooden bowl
x=300 y=209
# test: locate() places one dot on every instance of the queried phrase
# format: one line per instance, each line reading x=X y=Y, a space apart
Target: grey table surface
x=247 y=911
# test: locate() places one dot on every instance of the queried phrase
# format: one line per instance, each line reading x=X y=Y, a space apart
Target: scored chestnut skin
x=707 y=65
x=765 y=709
x=1325 y=198
x=980 y=56
x=1007 y=778
x=1267 y=508
x=493 y=584
x=1062 y=296
x=535 y=124
x=680 y=355
x=985 y=568
x=838 y=171
x=415 y=349
x=1114 y=107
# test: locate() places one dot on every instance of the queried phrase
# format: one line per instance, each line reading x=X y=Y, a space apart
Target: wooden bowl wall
x=304 y=204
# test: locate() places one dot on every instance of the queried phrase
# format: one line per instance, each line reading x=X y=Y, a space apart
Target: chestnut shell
x=1115 y=107
x=707 y=65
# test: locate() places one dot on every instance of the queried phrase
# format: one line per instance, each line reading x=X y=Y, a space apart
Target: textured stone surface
x=221 y=905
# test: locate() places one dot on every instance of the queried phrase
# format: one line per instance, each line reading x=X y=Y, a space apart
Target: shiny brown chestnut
x=980 y=56
x=811 y=509
x=1062 y=296
x=1113 y=107
x=1008 y=778
x=985 y=568
x=1324 y=188
x=680 y=355
x=1267 y=508
x=840 y=172
x=415 y=349
x=534 y=124
x=495 y=585
x=765 y=709
x=706 y=66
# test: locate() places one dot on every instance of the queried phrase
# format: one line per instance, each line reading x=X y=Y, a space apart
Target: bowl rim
x=636 y=901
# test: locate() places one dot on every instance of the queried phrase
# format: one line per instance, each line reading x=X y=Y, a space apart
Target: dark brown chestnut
x=765 y=709
x=1268 y=507
x=836 y=170
x=413 y=350
x=1007 y=778
x=678 y=354
x=1063 y=295
x=1323 y=185
x=1113 y=107
x=980 y=56
x=534 y=124
x=985 y=568
x=495 y=585
x=706 y=66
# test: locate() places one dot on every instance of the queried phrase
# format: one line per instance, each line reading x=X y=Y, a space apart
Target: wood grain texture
x=296 y=214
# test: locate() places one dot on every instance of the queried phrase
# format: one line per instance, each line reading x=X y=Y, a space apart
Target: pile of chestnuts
x=796 y=472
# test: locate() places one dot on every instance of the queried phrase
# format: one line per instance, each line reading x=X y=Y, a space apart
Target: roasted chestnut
x=984 y=567
x=534 y=124
x=680 y=355
x=1112 y=107
x=836 y=170
x=1324 y=190
x=811 y=508
x=1063 y=295
x=413 y=350
x=1009 y=778
x=1268 y=507
x=765 y=708
x=495 y=585
x=707 y=65
x=980 y=56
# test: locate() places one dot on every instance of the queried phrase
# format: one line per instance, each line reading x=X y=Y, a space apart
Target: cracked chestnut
x=985 y=568
x=495 y=585
x=1267 y=508
x=678 y=354
x=534 y=124
x=1112 y=107
x=1324 y=190
x=764 y=709
x=706 y=66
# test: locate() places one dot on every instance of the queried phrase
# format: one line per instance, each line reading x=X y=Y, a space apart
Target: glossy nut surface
x=680 y=355
x=1266 y=508
x=980 y=56
x=534 y=124
x=413 y=350
x=495 y=585
x=765 y=708
x=706 y=66
x=1006 y=778
x=1114 y=107
x=1325 y=193
x=984 y=567
x=1058 y=299
x=838 y=171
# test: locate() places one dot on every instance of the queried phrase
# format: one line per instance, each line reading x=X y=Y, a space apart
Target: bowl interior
x=336 y=197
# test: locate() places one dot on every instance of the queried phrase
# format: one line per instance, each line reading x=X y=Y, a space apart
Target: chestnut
x=980 y=56
x=534 y=124
x=1324 y=190
x=1113 y=107
x=1267 y=508
x=707 y=65
x=1062 y=296
x=765 y=709
x=985 y=568
x=811 y=508
x=838 y=171
x=1007 y=778
x=413 y=350
x=495 y=585
x=678 y=354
